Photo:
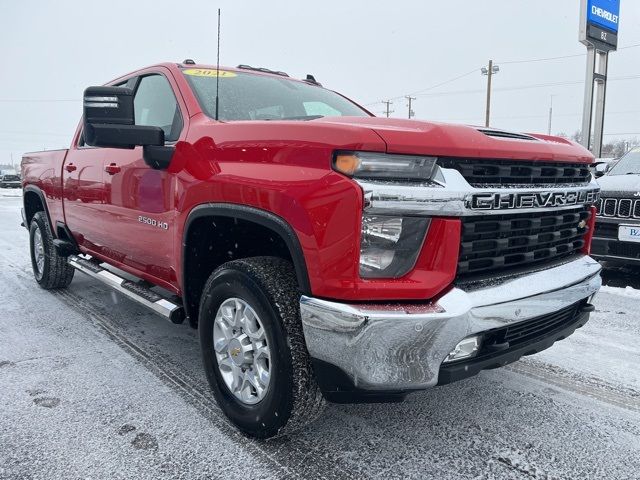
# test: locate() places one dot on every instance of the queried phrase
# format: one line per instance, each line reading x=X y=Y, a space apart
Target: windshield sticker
x=207 y=72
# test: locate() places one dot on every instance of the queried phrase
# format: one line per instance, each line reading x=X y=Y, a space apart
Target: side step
x=139 y=293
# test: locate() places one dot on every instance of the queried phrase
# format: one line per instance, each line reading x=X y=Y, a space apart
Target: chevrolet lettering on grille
x=513 y=201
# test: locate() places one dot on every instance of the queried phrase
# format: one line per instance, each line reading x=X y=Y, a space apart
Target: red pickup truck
x=322 y=253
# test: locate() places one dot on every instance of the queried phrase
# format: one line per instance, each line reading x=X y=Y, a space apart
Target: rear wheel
x=50 y=269
x=253 y=347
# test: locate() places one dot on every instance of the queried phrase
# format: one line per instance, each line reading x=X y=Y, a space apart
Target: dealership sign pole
x=599 y=20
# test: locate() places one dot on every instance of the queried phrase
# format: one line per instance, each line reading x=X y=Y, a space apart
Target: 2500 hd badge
x=153 y=222
x=510 y=201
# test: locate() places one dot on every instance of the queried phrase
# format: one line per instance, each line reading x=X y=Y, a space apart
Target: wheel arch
x=263 y=219
x=34 y=201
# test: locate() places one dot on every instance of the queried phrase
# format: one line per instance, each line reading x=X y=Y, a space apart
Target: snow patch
x=10 y=192
x=625 y=292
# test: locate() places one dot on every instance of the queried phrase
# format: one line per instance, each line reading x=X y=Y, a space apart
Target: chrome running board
x=135 y=291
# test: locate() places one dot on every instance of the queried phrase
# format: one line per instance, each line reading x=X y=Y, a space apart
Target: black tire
x=293 y=398
x=55 y=271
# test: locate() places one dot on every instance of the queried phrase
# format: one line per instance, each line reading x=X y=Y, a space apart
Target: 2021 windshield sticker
x=209 y=72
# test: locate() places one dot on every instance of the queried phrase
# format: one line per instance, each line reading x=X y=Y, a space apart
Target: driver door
x=139 y=201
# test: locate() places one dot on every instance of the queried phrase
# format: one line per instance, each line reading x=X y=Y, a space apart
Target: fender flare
x=255 y=215
x=40 y=193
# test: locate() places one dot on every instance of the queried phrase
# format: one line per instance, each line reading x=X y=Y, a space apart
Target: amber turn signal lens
x=347 y=164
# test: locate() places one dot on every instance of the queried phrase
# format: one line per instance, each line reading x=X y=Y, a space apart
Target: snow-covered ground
x=94 y=386
x=10 y=192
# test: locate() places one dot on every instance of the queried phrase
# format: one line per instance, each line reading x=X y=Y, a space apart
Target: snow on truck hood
x=442 y=139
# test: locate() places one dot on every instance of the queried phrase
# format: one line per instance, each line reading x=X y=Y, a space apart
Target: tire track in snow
x=540 y=371
x=288 y=455
x=560 y=378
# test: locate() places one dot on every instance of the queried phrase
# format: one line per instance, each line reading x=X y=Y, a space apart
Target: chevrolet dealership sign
x=604 y=13
x=599 y=22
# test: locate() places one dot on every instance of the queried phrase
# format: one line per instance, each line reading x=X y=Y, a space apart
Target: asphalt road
x=94 y=386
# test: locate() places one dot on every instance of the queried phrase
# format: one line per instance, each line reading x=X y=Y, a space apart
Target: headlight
x=384 y=166
x=390 y=246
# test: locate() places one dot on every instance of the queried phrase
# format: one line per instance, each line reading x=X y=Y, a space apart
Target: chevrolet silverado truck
x=322 y=253
x=617 y=234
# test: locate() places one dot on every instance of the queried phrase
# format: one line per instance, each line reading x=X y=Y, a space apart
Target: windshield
x=247 y=96
x=628 y=164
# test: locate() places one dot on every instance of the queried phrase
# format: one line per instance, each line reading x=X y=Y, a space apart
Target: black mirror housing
x=108 y=105
x=109 y=120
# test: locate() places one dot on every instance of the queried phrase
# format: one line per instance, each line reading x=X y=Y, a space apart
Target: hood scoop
x=502 y=134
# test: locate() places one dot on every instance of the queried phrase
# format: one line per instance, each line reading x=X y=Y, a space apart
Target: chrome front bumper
x=401 y=347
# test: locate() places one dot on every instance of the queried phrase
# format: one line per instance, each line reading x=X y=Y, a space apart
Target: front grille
x=618 y=207
x=624 y=249
x=519 y=333
x=509 y=173
x=606 y=230
x=506 y=242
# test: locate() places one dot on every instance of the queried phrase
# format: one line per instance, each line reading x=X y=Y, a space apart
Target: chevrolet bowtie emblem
x=582 y=224
x=235 y=352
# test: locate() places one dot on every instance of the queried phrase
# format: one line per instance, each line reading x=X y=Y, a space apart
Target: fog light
x=467 y=348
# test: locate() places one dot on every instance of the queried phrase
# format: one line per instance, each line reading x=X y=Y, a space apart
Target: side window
x=155 y=105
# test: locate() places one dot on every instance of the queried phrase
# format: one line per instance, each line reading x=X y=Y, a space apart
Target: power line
x=47 y=134
x=546 y=59
x=561 y=57
x=428 y=88
x=524 y=87
x=41 y=100
x=511 y=62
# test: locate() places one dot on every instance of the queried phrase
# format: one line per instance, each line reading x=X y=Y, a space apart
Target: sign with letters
x=599 y=23
x=604 y=13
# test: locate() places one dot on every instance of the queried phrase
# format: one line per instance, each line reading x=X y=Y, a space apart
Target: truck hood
x=441 y=139
x=619 y=183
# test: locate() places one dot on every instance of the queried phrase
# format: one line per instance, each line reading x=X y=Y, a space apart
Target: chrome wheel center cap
x=236 y=353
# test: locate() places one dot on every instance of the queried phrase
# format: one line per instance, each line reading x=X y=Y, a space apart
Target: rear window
x=248 y=96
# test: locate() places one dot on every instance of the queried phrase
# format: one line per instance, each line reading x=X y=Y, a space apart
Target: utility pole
x=550 y=114
x=411 y=112
x=489 y=72
x=388 y=103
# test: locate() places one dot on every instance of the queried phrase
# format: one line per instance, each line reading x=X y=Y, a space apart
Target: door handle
x=112 y=169
x=70 y=167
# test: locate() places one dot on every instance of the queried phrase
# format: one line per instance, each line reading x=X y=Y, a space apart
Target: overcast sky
x=368 y=50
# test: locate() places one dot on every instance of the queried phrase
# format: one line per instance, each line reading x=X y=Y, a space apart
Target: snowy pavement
x=94 y=386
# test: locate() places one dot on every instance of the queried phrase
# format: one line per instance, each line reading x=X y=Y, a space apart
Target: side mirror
x=600 y=169
x=109 y=121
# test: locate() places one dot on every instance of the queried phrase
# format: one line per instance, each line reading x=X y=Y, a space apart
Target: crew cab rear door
x=139 y=205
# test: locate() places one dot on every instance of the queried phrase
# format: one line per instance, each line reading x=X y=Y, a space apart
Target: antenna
x=218 y=67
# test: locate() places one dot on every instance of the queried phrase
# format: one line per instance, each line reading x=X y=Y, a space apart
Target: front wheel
x=253 y=347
